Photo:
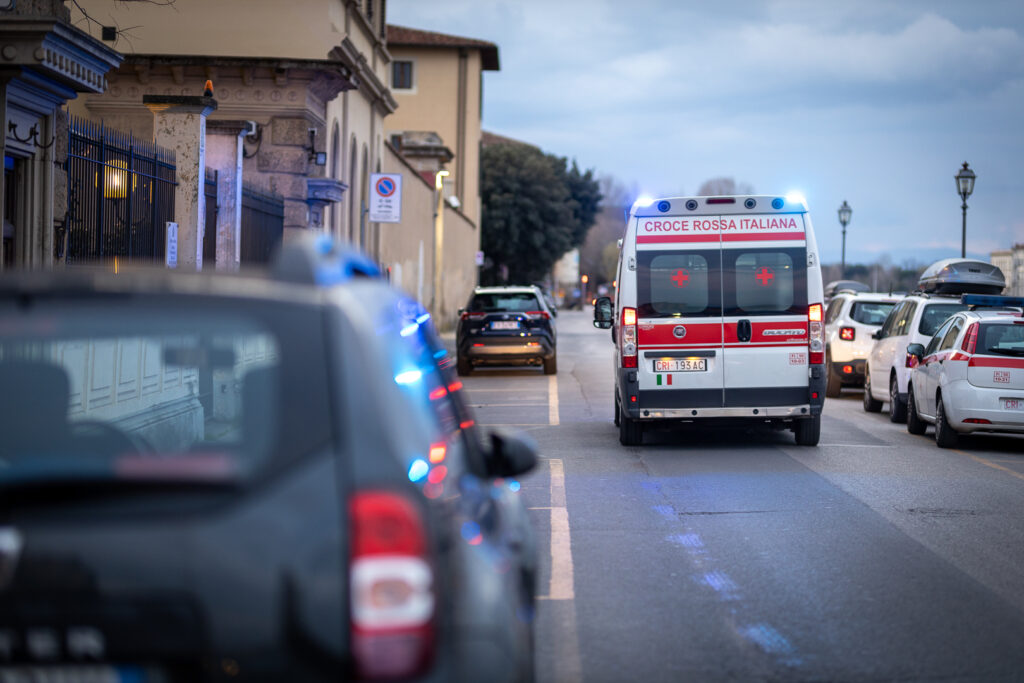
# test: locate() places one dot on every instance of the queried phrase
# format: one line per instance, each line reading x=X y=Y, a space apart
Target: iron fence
x=120 y=195
x=262 y=224
x=210 y=229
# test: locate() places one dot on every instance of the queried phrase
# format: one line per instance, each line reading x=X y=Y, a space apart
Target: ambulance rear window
x=765 y=282
x=678 y=284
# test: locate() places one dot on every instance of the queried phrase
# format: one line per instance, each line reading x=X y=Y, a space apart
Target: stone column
x=179 y=123
x=224 y=155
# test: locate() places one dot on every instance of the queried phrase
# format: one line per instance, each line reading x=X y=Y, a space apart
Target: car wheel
x=945 y=437
x=915 y=425
x=631 y=432
x=871 y=405
x=463 y=366
x=897 y=408
x=833 y=382
x=616 y=402
x=808 y=431
x=551 y=365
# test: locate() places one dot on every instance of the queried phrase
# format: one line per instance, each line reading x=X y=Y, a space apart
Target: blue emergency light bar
x=991 y=300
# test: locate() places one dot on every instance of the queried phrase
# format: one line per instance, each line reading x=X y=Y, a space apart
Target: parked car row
x=927 y=361
x=250 y=477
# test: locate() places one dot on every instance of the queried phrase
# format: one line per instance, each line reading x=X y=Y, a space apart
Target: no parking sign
x=386 y=198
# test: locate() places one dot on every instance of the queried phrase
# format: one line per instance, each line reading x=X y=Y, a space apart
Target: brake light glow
x=816 y=334
x=437 y=452
x=539 y=314
x=438 y=393
x=847 y=369
x=455 y=386
x=847 y=333
x=970 y=342
x=467 y=315
x=392 y=604
x=628 y=333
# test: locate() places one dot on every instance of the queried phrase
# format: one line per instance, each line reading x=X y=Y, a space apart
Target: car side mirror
x=877 y=334
x=916 y=350
x=510 y=455
x=603 y=315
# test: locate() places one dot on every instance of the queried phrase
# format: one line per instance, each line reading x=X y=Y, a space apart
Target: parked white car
x=913 y=321
x=970 y=376
x=850 y=320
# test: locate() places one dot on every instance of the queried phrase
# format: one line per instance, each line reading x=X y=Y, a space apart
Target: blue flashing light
x=418 y=469
x=408 y=377
x=470 y=530
x=514 y=485
x=778 y=203
x=664 y=206
x=992 y=300
x=423 y=318
x=796 y=198
x=440 y=354
x=643 y=201
x=409 y=330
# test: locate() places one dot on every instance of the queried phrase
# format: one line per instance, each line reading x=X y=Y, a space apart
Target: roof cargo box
x=961 y=276
x=836 y=286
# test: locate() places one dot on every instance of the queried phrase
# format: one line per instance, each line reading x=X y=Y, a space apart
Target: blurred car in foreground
x=850 y=320
x=249 y=478
x=970 y=377
x=506 y=326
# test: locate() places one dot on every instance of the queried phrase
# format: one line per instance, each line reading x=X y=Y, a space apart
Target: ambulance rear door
x=765 y=300
x=679 y=315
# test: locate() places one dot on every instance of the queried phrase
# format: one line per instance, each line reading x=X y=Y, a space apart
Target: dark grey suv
x=506 y=326
x=208 y=478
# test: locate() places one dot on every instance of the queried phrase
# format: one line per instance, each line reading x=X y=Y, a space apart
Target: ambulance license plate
x=681 y=365
x=505 y=325
x=1013 y=404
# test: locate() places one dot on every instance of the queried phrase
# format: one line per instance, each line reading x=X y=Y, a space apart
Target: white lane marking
x=553 y=399
x=567 y=665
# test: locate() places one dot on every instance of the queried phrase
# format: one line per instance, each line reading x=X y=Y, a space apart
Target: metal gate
x=262 y=224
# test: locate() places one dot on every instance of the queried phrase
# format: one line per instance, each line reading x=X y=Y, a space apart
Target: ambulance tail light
x=847 y=333
x=970 y=342
x=629 y=353
x=816 y=330
x=392 y=604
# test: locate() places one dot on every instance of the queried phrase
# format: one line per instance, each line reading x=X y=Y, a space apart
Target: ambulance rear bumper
x=766 y=413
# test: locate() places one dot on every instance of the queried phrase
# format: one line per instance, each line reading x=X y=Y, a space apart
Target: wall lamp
x=318 y=158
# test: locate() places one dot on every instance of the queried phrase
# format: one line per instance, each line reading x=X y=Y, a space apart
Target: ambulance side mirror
x=603 y=314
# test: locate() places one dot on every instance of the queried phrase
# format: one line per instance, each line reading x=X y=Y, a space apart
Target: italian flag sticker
x=668 y=380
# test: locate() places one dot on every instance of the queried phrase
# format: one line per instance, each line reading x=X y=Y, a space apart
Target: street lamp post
x=844 y=217
x=964 y=187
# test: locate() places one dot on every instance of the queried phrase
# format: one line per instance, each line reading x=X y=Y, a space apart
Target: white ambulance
x=718 y=316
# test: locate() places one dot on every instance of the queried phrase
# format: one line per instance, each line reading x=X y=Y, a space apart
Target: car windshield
x=935 y=314
x=504 y=302
x=124 y=392
x=870 y=312
x=1002 y=339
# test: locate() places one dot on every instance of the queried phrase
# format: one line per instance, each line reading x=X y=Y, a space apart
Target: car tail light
x=847 y=369
x=629 y=338
x=977 y=421
x=847 y=333
x=467 y=315
x=970 y=339
x=816 y=330
x=391 y=580
x=539 y=314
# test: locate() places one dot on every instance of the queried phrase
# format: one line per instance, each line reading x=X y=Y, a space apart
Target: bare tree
x=90 y=22
x=723 y=187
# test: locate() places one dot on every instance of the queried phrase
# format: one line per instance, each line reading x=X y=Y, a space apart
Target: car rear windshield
x=504 y=302
x=870 y=312
x=1001 y=339
x=169 y=390
x=935 y=314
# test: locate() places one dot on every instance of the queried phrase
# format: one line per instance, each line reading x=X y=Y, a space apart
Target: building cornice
x=375 y=89
x=57 y=51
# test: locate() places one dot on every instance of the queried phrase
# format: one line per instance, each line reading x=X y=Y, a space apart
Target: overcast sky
x=873 y=102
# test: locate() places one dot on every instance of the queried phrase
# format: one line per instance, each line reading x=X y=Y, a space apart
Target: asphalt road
x=739 y=556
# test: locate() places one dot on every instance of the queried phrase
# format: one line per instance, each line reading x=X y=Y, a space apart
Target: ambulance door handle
x=743 y=330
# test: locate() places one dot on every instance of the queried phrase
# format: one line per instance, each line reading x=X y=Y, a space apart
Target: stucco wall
x=407 y=248
x=431 y=106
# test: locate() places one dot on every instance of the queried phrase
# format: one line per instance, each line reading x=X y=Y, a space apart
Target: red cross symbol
x=681 y=278
x=764 y=276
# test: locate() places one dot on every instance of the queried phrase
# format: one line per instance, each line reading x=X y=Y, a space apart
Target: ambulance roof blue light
x=643 y=201
x=796 y=198
x=409 y=330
